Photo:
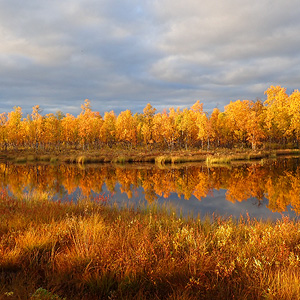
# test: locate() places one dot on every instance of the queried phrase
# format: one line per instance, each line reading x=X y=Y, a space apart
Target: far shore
x=121 y=156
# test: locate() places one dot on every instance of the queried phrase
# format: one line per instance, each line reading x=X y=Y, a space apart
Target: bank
x=121 y=156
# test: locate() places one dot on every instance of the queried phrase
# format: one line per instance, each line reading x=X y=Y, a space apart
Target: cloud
x=123 y=54
x=226 y=44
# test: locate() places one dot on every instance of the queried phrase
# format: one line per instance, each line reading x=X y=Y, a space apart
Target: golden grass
x=122 y=159
x=287 y=152
x=20 y=159
x=90 y=250
x=210 y=160
x=45 y=158
x=122 y=156
x=162 y=160
x=31 y=158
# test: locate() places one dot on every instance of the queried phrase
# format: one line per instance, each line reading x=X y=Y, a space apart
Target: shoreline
x=134 y=156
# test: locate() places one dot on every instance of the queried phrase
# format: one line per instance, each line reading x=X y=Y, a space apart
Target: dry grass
x=162 y=160
x=210 y=160
x=121 y=156
x=89 y=250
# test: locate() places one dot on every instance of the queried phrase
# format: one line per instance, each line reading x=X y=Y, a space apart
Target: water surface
x=264 y=190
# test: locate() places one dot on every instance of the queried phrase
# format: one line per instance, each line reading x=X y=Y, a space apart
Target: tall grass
x=121 y=156
x=91 y=250
x=218 y=160
x=162 y=159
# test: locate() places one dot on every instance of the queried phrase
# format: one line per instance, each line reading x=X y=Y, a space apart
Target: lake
x=267 y=189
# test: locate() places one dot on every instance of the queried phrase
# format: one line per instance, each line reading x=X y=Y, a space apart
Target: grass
x=53 y=160
x=31 y=158
x=90 y=250
x=218 y=160
x=123 y=159
x=45 y=158
x=122 y=156
x=228 y=158
x=20 y=159
x=162 y=160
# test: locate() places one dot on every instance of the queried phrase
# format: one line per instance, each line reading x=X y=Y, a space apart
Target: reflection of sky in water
x=216 y=204
x=212 y=204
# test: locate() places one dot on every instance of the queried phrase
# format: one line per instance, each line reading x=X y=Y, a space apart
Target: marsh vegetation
x=90 y=250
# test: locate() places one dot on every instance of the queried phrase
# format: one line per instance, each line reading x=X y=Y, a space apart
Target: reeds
x=123 y=159
x=228 y=159
x=91 y=250
x=162 y=160
x=210 y=160
x=20 y=159
x=119 y=156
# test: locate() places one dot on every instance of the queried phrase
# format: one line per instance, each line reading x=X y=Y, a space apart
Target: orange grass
x=90 y=250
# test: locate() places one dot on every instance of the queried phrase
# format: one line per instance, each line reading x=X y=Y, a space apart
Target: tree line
x=242 y=123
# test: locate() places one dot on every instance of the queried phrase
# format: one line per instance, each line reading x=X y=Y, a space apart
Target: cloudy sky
x=122 y=54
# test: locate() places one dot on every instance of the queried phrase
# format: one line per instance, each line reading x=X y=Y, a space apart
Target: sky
x=122 y=54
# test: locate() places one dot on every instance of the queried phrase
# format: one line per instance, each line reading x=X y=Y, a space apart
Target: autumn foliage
x=246 y=123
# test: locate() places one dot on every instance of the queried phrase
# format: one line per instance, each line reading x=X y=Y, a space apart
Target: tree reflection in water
x=277 y=181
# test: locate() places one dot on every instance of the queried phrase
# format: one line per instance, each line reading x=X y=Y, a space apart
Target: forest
x=258 y=124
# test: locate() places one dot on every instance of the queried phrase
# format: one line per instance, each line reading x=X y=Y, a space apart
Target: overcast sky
x=122 y=54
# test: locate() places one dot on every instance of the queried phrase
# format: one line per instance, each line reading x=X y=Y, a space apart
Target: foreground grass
x=88 y=250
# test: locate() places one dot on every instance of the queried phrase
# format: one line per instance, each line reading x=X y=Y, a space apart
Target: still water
x=263 y=190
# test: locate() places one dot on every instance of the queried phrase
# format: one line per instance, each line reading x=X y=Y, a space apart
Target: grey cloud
x=123 y=54
x=244 y=46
